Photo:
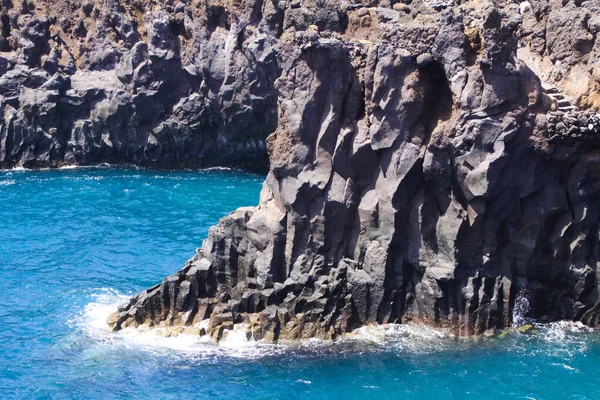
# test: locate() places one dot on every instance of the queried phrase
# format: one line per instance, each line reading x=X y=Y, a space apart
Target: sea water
x=75 y=243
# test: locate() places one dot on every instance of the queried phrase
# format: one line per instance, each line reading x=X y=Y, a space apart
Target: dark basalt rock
x=124 y=83
x=418 y=169
x=407 y=183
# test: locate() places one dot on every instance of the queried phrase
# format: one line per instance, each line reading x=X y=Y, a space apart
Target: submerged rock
x=413 y=178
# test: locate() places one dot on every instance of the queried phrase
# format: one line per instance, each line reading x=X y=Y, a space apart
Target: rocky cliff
x=429 y=161
x=143 y=82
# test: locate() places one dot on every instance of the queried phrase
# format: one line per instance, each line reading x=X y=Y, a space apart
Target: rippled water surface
x=74 y=243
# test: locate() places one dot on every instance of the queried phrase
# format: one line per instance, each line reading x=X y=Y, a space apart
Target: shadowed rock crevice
x=437 y=102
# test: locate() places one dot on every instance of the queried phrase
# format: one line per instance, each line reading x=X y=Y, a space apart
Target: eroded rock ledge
x=414 y=176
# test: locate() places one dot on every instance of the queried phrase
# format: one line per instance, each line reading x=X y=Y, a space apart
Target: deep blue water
x=74 y=243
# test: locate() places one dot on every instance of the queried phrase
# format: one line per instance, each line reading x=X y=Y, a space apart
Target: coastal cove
x=74 y=243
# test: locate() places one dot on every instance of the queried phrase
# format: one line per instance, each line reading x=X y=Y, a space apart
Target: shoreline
x=127 y=166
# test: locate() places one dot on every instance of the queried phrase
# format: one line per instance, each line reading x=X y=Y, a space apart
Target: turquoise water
x=74 y=243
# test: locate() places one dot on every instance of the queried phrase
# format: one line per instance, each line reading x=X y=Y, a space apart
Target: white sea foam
x=63 y=167
x=412 y=338
x=403 y=337
x=407 y=337
x=219 y=169
x=7 y=182
x=95 y=166
x=560 y=328
x=237 y=339
x=566 y=336
x=521 y=308
x=73 y=167
x=92 y=322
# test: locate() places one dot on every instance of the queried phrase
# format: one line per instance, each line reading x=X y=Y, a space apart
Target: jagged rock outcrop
x=574 y=128
x=150 y=83
x=415 y=176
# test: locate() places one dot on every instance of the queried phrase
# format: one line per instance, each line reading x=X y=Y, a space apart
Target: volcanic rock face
x=85 y=82
x=416 y=175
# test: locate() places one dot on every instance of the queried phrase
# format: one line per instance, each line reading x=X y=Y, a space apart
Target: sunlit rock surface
x=430 y=163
